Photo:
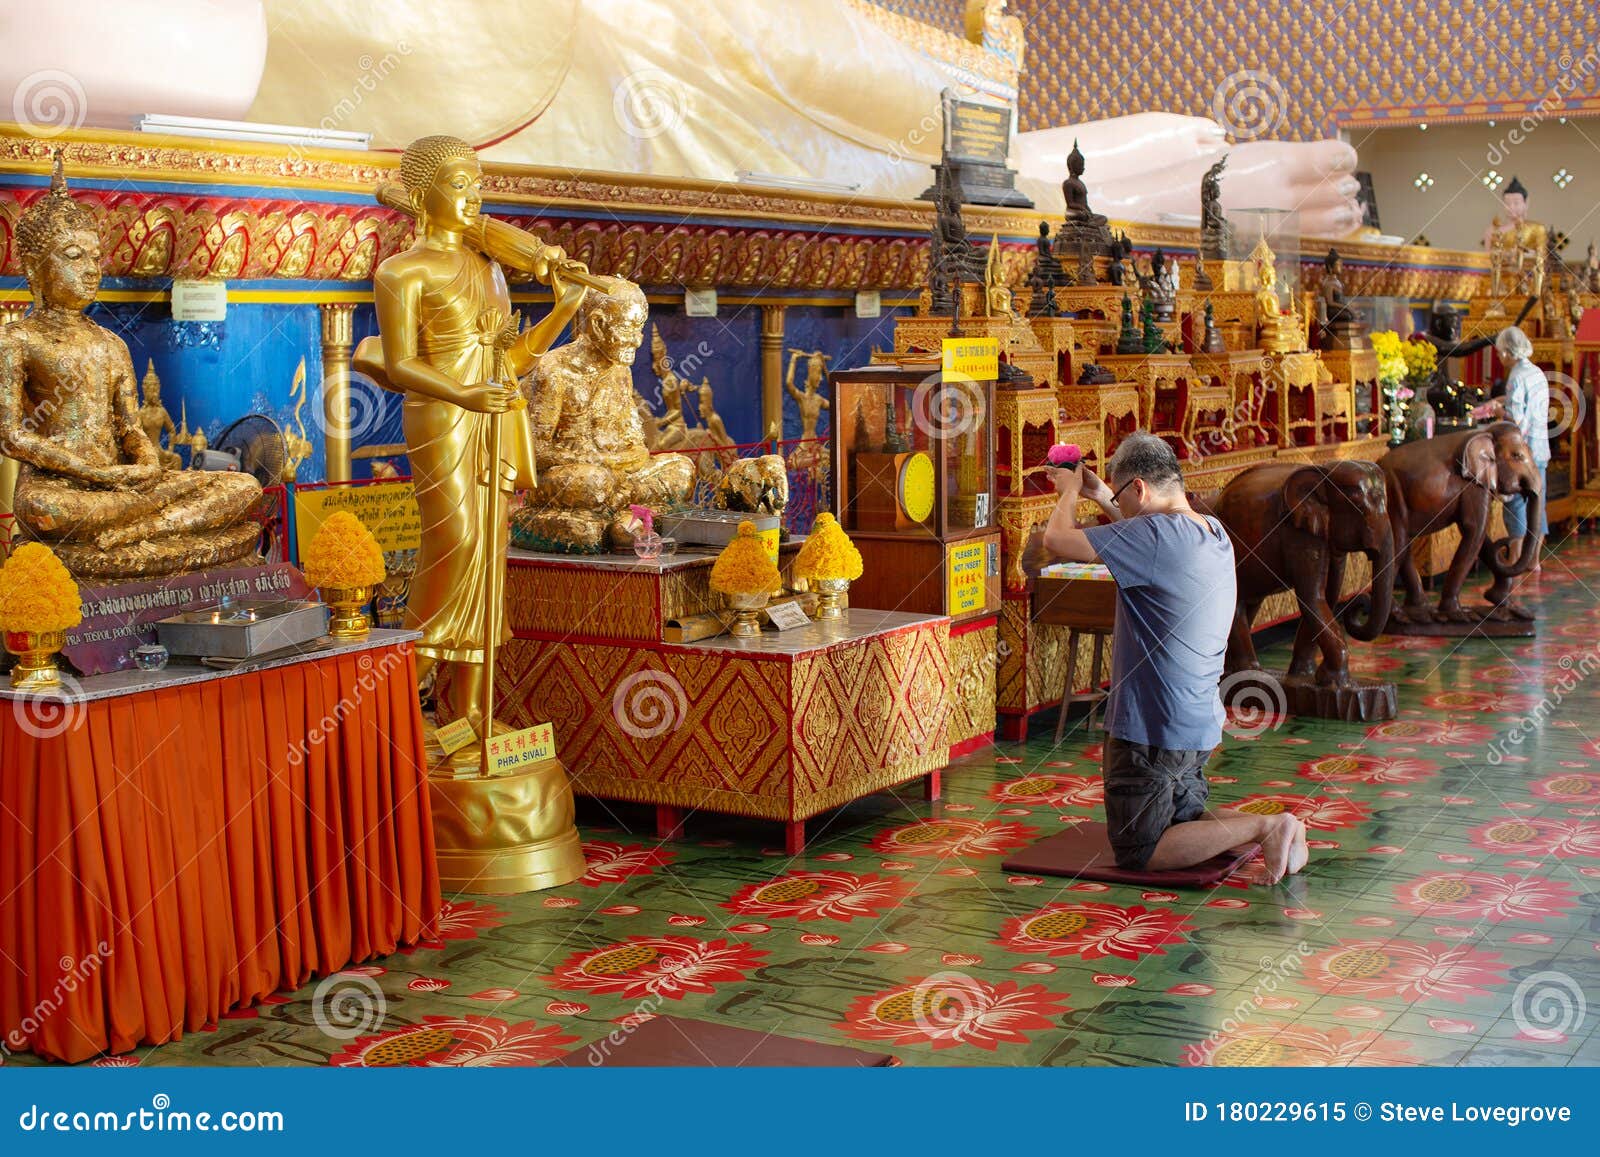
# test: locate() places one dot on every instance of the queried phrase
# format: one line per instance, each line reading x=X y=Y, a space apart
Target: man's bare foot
x=1300 y=851
x=1276 y=844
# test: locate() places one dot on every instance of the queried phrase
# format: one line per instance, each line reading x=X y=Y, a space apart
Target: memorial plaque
x=116 y=619
x=977 y=140
x=977 y=133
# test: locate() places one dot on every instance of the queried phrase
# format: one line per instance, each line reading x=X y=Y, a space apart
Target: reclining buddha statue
x=92 y=485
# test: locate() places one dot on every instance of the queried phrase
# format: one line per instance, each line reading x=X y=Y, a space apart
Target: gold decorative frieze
x=680 y=231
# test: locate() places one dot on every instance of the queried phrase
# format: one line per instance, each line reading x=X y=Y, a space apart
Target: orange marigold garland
x=743 y=567
x=37 y=592
x=344 y=555
x=828 y=553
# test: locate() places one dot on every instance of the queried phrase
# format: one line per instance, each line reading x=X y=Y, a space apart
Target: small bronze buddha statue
x=92 y=483
x=1084 y=229
x=1342 y=326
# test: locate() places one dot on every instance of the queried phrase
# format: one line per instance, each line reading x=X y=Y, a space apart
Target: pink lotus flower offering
x=1064 y=455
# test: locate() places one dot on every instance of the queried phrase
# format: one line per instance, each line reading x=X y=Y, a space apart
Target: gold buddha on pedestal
x=1277 y=331
x=588 y=435
x=92 y=484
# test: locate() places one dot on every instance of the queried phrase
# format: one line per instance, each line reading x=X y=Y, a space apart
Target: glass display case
x=914 y=486
x=1280 y=229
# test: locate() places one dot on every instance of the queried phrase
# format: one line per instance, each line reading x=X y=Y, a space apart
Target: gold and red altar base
x=779 y=728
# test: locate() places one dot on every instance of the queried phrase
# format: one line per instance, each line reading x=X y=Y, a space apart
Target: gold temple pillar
x=9 y=312
x=772 y=367
x=337 y=338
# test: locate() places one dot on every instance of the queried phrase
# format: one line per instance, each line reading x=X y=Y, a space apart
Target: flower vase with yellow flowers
x=830 y=562
x=39 y=603
x=746 y=574
x=344 y=562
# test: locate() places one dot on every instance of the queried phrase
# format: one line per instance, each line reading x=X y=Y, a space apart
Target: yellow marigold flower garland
x=344 y=555
x=37 y=592
x=743 y=567
x=828 y=552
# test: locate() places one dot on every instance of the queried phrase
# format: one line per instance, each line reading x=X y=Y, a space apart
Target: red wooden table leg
x=794 y=838
x=669 y=822
x=930 y=786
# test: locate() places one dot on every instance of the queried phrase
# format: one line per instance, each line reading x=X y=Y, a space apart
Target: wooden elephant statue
x=1292 y=526
x=1452 y=480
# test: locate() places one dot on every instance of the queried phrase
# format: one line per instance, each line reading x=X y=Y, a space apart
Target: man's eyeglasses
x=1116 y=494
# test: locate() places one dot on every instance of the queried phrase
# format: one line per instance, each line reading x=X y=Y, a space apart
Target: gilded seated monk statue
x=92 y=485
x=587 y=434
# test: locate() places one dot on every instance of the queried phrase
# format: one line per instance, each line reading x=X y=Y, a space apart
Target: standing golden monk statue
x=448 y=342
x=92 y=484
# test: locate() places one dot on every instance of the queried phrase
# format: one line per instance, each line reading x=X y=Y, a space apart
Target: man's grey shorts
x=1148 y=789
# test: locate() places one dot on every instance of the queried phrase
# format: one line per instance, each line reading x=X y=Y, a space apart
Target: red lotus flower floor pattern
x=1450 y=913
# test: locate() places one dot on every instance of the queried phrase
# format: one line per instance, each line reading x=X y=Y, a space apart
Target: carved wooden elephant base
x=1484 y=628
x=1359 y=701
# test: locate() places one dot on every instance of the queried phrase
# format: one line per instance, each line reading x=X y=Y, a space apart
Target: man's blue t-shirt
x=1175 y=603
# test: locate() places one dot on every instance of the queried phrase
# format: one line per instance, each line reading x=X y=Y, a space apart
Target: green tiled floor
x=915 y=950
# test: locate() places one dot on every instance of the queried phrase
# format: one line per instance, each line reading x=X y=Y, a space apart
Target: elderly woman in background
x=1527 y=403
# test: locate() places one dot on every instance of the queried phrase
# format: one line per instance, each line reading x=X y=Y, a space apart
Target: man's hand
x=1094 y=487
x=1067 y=482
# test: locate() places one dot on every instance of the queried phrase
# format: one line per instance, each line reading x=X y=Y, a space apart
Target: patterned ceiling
x=1273 y=68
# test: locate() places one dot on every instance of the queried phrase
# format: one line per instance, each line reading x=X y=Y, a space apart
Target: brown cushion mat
x=676 y=1041
x=1084 y=853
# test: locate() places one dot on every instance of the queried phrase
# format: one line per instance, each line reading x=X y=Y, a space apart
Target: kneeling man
x=1175 y=599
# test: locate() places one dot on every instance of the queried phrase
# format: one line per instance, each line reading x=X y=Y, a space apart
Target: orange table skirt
x=179 y=852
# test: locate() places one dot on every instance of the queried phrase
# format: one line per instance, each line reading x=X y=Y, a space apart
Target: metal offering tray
x=710 y=527
x=243 y=630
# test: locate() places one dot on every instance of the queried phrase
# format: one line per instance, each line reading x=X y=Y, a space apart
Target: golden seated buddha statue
x=588 y=437
x=92 y=484
x=1277 y=331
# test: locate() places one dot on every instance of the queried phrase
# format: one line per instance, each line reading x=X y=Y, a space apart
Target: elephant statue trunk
x=1366 y=630
x=1495 y=554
